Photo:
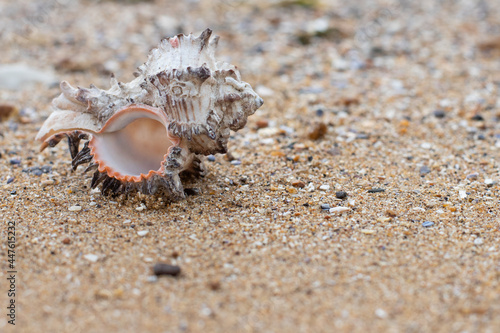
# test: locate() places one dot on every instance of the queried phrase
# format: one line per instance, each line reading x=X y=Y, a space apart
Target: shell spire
x=145 y=134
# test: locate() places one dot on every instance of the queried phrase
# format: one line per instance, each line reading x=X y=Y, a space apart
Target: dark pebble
x=13 y=192
x=481 y=137
x=38 y=170
x=424 y=170
x=341 y=195
x=211 y=158
x=320 y=112
x=325 y=206
x=477 y=117
x=376 y=190
x=166 y=269
x=306 y=204
x=362 y=136
x=10 y=180
x=191 y=191
x=15 y=161
x=427 y=224
x=439 y=114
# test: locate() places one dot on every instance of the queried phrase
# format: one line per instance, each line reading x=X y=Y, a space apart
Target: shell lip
x=154 y=113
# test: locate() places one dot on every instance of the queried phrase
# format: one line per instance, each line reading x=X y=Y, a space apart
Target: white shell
x=196 y=99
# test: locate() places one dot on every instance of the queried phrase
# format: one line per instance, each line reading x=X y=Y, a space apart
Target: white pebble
x=462 y=194
x=381 y=313
x=75 y=208
x=152 y=278
x=324 y=187
x=310 y=187
x=489 y=181
x=478 y=241
x=267 y=141
x=143 y=233
x=140 y=208
x=91 y=257
x=426 y=145
x=339 y=209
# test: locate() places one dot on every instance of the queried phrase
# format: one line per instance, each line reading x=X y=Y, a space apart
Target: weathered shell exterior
x=197 y=99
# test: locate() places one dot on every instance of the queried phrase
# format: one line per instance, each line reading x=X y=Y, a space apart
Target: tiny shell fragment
x=339 y=209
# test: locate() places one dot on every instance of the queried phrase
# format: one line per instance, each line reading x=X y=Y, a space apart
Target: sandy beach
x=363 y=196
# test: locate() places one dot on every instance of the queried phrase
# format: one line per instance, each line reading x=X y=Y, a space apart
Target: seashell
x=144 y=135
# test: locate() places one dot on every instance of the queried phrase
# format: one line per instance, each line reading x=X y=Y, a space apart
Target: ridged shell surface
x=180 y=95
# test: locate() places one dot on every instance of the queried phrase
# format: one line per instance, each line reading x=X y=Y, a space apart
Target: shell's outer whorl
x=195 y=99
x=203 y=98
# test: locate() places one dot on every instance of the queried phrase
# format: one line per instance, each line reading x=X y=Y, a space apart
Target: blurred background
x=386 y=110
x=307 y=47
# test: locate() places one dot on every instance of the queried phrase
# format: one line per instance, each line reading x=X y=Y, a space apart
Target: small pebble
x=325 y=206
x=426 y=145
x=324 y=187
x=489 y=182
x=424 y=170
x=318 y=131
x=15 y=161
x=13 y=192
x=472 y=176
x=143 y=232
x=166 y=269
x=235 y=162
x=439 y=114
x=262 y=123
x=477 y=117
x=211 y=158
x=75 y=208
x=152 y=278
x=341 y=195
x=478 y=241
x=462 y=194
x=339 y=209
x=6 y=111
x=66 y=241
x=91 y=257
x=481 y=137
x=381 y=313
x=362 y=136
x=298 y=183
x=10 y=180
x=376 y=190
x=427 y=224
x=47 y=182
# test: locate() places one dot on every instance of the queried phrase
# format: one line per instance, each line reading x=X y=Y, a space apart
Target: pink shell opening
x=133 y=144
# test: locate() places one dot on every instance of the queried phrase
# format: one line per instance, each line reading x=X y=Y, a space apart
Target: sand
x=358 y=97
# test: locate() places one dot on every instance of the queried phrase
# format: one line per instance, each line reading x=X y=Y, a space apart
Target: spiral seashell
x=145 y=134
